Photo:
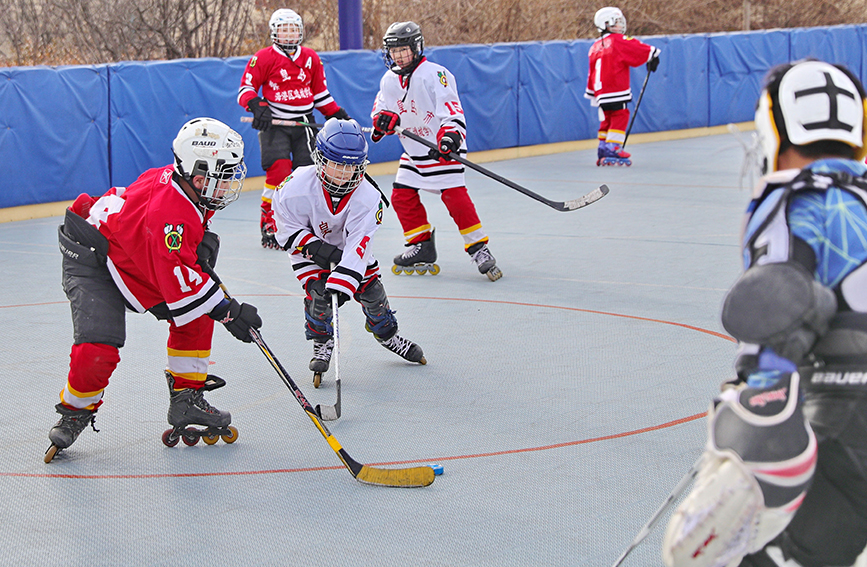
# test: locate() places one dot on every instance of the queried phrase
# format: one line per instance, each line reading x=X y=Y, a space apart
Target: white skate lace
x=482 y=256
x=398 y=345
x=322 y=351
x=412 y=252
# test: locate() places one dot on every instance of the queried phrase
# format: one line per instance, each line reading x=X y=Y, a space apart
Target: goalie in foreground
x=783 y=480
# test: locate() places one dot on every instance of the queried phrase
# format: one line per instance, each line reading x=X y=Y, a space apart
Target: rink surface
x=564 y=401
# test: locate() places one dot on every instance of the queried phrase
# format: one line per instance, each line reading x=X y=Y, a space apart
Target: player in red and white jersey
x=422 y=97
x=327 y=214
x=147 y=247
x=611 y=56
x=292 y=81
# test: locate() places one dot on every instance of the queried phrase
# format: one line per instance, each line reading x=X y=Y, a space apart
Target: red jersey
x=611 y=56
x=153 y=230
x=292 y=86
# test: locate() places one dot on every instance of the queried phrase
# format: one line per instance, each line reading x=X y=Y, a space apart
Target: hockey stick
x=635 y=111
x=402 y=478
x=278 y=122
x=563 y=206
x=331 y=413
x=645 y=531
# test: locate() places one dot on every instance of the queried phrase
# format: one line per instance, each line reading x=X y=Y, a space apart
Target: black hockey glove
x=261 y=113
x=322 y=253
x=653 y=64
x=238 y=318
x=341 y=297
x=449 y=142
x=208 y=250
x=340 y=115
x=384 y=123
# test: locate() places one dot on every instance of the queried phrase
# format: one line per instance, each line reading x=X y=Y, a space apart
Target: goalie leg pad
x=757 y=467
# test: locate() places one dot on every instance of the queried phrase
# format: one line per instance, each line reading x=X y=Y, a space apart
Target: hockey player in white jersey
x=326 y=215
x=422 y=97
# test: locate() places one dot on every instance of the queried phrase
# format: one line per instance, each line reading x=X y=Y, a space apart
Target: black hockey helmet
x=399 y=34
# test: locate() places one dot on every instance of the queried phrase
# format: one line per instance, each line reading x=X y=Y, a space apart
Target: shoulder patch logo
x=379 y=214
x=253 y=61
x=443 y=79
x=174 y=236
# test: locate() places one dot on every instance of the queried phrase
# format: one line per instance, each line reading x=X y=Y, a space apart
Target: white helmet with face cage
x=287 y=30
x=610 y=19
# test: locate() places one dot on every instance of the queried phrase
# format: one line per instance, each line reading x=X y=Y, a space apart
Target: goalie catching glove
x=238 y=318
x=757 y=466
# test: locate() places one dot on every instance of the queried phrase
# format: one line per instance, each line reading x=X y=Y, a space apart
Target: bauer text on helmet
x=287 y=30
x=207 y=147
x=340 y=156
x=610 y=19
x=808 y=102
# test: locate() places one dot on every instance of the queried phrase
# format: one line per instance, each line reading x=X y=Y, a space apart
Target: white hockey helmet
x=608 y=19
x=208 y=147
x=806 y=102
x=287 y=29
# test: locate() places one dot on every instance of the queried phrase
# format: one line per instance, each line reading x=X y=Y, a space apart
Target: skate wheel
x=317 y=379
x=434 y=270
x=494 y=274
x=396 y=270
x=421 y=271
x=49 y=454
x=233 y=437
x=189 y=439
x=167 y=439
x=210 y=438
x=409 y=270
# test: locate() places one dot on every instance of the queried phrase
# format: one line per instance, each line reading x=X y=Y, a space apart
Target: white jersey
x=427 y=102
x=304 y=212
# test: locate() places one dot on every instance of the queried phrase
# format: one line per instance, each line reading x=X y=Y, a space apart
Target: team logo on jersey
x=443 y=80
x=323 y=228
x=253 y=61
x=174 y=236
x=379 y=214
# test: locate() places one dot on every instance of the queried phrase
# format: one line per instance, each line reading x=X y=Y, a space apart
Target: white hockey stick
x=332 y=413
x=278 y=122
x=645 y=531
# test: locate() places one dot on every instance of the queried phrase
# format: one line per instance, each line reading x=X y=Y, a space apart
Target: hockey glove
x=261 y=113
x=341 y=297
x=384 y=123
x=653 y=64
x=208 y=250
x=322 y=253
x=340 y=115
x=238 y=318
x=448 y=141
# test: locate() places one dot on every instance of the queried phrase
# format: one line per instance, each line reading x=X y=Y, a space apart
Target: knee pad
x=374 y=303
x=757 y=467
x=317 y=309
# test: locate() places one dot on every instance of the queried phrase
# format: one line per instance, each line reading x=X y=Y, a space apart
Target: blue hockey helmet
x=340 y=156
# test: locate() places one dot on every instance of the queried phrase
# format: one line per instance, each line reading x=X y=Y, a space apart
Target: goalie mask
x=401 y=34
x=340 y=156
x=611 y=20
x=208 y=147
x=287 y=30
x=807 y=102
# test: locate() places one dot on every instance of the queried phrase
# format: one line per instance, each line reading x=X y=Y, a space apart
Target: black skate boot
x=189 y=407
x=419 y=258
x=66 y=431
x=321 y=359
x=268 y=226
x=404 y=348
x=613 y=155
x=485 y=261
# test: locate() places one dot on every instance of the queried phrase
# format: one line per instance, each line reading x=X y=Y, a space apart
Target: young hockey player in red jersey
x=328 y=214
x=147 y=247
x=422 y=97
x=611 y=56
x=292 y=80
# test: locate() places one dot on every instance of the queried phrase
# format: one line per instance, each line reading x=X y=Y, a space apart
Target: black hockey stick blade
x=332 y=413
x=562 y=206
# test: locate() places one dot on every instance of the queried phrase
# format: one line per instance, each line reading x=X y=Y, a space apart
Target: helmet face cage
x=340 y=156
x=400 y=34
x=287 y=29
x=611 y=20
x=209 y=148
